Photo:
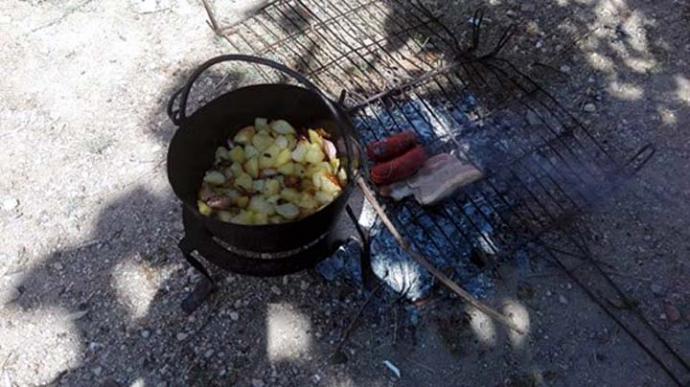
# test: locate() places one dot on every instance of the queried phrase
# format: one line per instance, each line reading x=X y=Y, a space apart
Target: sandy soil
x=91 y=280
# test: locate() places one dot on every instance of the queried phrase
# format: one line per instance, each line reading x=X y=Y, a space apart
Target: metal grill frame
x=376 y=77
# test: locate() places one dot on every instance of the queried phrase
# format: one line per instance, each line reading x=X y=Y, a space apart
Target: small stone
x=257 y=383
x=94 y=346
x=145 y=333
x=548 y=293
x=565 y=68
x=234 y=316
x=208 y=353
x=181 y=336
x=304 y=285
x=9 y=204
x=113 y=383
x=276 y=290
x=657 y=289
x=97 y=371
x=526 y=6
x=590 y=108
x=533 y=118
x=562 y=299
x=672 y=313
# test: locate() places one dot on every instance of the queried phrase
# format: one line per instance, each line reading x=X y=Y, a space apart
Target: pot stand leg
x=204 y=287
x=368 y=277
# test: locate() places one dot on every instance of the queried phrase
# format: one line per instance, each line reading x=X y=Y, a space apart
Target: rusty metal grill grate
x=403 y=69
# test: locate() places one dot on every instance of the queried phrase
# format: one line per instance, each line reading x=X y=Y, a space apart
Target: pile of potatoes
x=271 y=174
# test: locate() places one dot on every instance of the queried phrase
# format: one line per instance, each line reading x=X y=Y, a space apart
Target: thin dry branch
x=422 y=260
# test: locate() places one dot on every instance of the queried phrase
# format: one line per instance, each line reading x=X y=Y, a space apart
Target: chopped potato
x=315 y=137
x=314 y=154
x=242 y=201
x=300 y=151
x=300 y=170
x=288 y=210
x=292 y=141
x=236 y=169
x=250 y=151
x=272 y=187
x=268 y=172
x=290 y=194
x=262 y=141
x=260 y=218
x=251 y=166
x=276 y=175
x=204 y=209
x=221 y=153
x=282 y=127
x=342 y=177
x=269 y=157
x=244 y=181
x=283 y=157
x=282 y=142
x=236 y=154
x=273 y=199
x=330 y=184
x=307 y=201
x=244 y=136
x=214 y=177
x=244 y=217
x=261 y=124
x=323 y=197
x=259 y=204
x=287 y=169
x=258 y=185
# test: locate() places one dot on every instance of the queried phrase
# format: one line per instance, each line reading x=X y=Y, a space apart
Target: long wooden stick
x=422 y=260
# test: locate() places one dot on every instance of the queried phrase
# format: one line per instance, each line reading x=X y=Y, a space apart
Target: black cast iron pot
x=192 y=150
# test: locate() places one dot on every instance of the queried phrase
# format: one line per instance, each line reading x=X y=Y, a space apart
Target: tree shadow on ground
x=133 y=243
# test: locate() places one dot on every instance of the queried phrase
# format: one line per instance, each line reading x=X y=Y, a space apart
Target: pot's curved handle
x=179 y=115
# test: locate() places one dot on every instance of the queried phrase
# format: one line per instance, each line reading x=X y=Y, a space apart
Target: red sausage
x=391 y=147
x=400 y=167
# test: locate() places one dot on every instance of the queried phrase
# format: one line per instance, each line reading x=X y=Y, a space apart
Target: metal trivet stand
x=198 y=238
x=406 y=70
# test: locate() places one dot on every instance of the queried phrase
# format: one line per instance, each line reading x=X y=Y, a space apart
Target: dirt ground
x=91 y=279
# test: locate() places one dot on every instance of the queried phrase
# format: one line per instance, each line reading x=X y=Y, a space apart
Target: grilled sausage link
x=400 y=167
x=391 y=147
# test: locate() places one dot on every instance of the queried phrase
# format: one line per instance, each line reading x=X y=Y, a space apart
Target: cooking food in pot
x=271 y=173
